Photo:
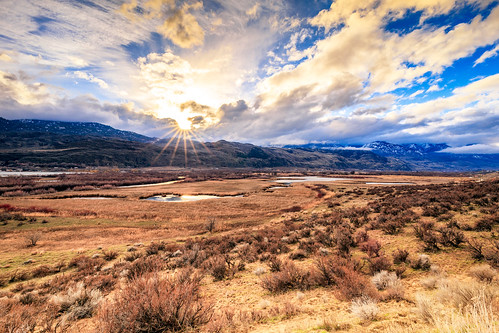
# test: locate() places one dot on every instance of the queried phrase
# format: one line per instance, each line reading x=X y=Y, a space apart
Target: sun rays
x=177 y=135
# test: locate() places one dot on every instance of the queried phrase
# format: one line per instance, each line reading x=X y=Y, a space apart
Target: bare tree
x=210 y=224
x=33 y=238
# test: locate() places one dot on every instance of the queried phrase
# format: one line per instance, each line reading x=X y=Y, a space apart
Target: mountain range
x=32 y=143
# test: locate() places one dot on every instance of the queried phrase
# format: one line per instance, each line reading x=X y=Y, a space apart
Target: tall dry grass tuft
x=365 y=308
x=425 y=308
x=483 y=273
x=78 y=302
x=464 y=295
x=479 y=316
x=153 y=304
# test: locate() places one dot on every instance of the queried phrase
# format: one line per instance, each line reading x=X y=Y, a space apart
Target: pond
x=374 y=183
x=93 y=198
x=153 y=184
x=289 y=180
x=36 y=173
x=187 y=198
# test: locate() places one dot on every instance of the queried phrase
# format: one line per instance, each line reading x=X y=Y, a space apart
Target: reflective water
x=374 y=183
x=147 y=185
x=289 y=180
x=36 y=173
x=93 y=198
x=186 y=198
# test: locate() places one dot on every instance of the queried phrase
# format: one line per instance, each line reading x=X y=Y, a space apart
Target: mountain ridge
x=69 y=128
x=31 y=142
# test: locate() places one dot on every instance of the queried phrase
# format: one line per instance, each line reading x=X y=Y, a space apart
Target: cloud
x=5 y=57
x=434 y=87
x=341 y=10
x=486 y=55
x=91 y=78
x=178 y=24
x=182 y=29
x=233 y=111
x=13 y=88
x=253 y=11
x=416 y=93
x=473 y=149
x=255 y=71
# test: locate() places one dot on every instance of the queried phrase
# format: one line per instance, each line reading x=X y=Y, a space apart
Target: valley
x=266 y=259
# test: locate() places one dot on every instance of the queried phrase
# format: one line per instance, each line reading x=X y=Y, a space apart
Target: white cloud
x=474 y=149
x=486 y=55
x=91 y=78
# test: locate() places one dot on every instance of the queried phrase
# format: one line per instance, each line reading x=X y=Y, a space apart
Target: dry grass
x=365 y=308
x=483 y=273
x=254 y=286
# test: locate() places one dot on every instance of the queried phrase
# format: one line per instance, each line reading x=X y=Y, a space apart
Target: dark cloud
x=234 y=111
x=369 y=111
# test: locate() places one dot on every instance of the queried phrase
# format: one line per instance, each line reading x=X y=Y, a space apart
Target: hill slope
x=67 y=128
x=56 y=150
x=41 y=143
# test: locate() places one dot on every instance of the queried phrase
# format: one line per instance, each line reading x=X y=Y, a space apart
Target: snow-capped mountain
x=391 y=149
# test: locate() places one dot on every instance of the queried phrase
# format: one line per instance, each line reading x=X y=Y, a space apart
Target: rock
x=176 y=253
x=323 y=251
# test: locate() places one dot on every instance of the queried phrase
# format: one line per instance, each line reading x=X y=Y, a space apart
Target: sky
x=260 y=71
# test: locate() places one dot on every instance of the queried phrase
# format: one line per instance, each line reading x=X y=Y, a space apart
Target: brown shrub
x=378 y=264
x=476 y=248
x=15 y=317
x=42 y=271
x=274 y=264
x=103 y=283
x=298 y=255
x=343 y=237
x=451 y=237
x=329 y=268
x=371 y=247
x=152 y=304
x=132 y=256
x=86 y=264
x=484 y=224
x=217 y=267
x=145 y=265
x=154 y=248
x=109 y=255
x=400 y=256
x=353 y=284
x=361 y=236
x=289 y=277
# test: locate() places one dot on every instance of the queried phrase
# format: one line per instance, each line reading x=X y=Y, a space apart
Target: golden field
x=305 y=258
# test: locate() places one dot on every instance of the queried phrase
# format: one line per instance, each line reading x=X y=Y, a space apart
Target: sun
x=183 y=123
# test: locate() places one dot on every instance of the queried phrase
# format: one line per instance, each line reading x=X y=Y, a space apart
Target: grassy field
x=311 y=257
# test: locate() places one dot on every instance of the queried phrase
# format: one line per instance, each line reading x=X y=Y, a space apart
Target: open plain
x=269 y=253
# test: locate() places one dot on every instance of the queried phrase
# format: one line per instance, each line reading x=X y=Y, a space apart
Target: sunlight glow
x=184 y=123
x=184 y=136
